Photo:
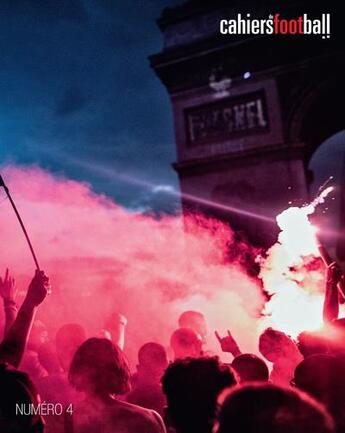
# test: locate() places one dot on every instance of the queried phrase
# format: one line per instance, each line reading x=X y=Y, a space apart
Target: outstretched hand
x=38 y=289
x=7 y=287
x=228 y=343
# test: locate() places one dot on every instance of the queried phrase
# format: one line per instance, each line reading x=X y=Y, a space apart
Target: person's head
x=267 y=408
x=250 y=368
x=17 y=393
x=192 y=387
x=68 y=338
x=196 y=321
x=99 y=369
x=274 y=345
x=323 y=377
x=152 y=362
x=185 y=343
x=312 y=343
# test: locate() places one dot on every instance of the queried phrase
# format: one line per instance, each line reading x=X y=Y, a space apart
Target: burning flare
x=291 y=275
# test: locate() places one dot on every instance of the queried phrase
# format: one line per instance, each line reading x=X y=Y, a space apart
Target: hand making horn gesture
x=228 y=344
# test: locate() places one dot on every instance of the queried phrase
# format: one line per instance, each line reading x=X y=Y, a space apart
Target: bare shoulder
x=149 y=420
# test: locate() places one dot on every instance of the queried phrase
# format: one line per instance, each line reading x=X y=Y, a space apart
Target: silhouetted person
x=331 y=301
x=323 y=377
x=192 y=387
x=283 y=352
x=13 y=345
x=16 y=388
x=250 y=368
x=100 y=371
x=186 y=343
x=196 y=321
x=147 y=389
x=268 y=408
x=55 y=388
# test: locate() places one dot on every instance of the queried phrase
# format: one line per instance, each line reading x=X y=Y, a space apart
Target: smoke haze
x=101 y=258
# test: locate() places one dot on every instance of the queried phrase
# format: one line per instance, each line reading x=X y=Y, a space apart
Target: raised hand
x=228 y=344
x=38 y=289
x=7 y=287
x=334 y=273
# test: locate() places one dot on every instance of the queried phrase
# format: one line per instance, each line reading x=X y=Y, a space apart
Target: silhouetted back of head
x=250 y=367
x=17 y=393
x=317 y=374
x=194 y=320
x=68 y=338
x=152 y=354
x=267 y=408
x=185 y=343
x=99 y=368
x=153 y=359
x=323 y=377
x=192 y=387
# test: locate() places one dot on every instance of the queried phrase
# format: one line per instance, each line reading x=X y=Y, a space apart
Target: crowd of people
x=287 y=387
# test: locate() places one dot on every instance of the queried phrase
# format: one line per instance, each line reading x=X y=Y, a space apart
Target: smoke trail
x=102 y=258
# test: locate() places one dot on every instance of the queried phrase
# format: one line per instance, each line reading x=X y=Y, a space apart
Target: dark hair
x=99 y=367
x=250 y=368
x=267 y=408
x=192 y=386
x=16 y=388
x=323 y=377
x=152 y=354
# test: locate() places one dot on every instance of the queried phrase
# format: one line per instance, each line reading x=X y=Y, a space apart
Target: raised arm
x=228 y=344
x=8 y=293
x=331 y=302
x=13 y=345
x=116 y=326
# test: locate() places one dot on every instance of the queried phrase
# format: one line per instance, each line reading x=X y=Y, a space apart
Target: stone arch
x=318 y=114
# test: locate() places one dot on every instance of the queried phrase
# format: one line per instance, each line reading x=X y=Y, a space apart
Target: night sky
x=79 y=98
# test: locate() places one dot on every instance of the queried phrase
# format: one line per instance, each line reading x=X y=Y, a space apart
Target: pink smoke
x=102 y=258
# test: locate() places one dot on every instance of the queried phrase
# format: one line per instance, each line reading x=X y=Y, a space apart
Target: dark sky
x=79 y=98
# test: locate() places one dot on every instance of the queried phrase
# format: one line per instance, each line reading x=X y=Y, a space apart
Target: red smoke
x=102 y=258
